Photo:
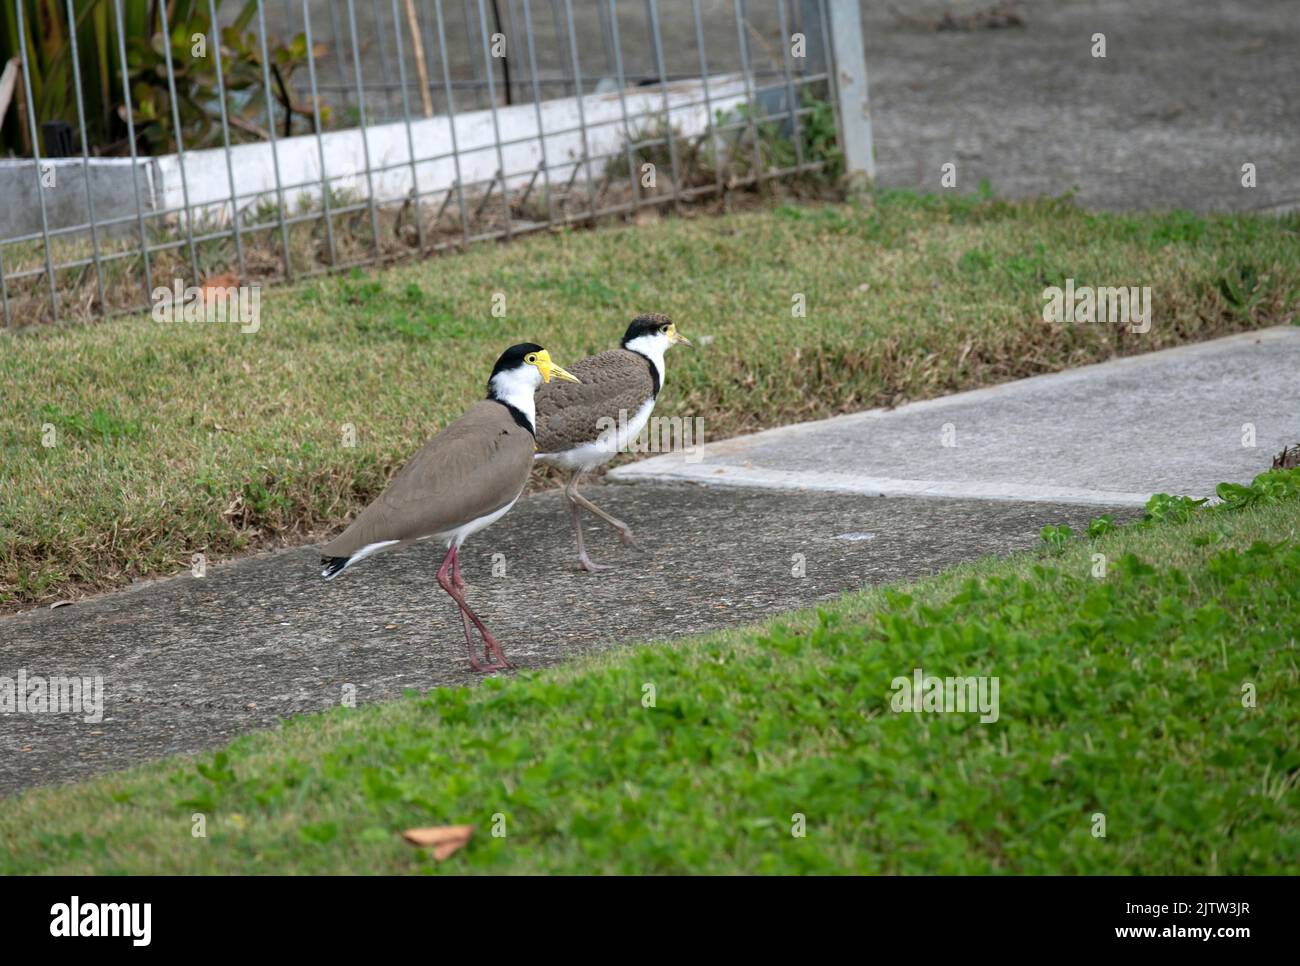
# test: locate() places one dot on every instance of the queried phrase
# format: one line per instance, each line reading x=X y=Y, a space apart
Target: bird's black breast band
x=518 y=415
x=654 y=370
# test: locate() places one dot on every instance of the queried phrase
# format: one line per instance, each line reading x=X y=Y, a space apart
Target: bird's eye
x=663 y=329
x=531 y=358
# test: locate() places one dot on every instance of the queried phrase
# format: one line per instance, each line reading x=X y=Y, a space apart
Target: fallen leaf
x=444 y=839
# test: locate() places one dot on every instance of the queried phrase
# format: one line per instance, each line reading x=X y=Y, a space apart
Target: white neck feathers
x=515 y=387
x=653 y=348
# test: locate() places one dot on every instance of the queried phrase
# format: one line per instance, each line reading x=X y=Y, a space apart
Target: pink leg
x=456 y=578
x=490 y=643
x=585 y=562
x=450 y=562
x=458 y=582
x=576 y=502
x=491 y=646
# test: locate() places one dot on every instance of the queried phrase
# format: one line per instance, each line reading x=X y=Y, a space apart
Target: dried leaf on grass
x=445 y=840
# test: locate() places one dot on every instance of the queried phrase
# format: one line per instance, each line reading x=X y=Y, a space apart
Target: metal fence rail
x=335 y=133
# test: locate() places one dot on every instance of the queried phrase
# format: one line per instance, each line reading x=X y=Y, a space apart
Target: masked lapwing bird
x=583 y=426
x=464 y=479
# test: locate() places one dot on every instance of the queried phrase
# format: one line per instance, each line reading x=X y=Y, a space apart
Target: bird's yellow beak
x=549 y=368
x=675 y=337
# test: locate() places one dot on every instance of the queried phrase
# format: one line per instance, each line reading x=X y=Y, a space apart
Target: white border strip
x=764 y=479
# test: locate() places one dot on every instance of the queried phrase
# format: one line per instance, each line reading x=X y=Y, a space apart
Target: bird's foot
x=589 y=565
x=482 y=668
x=495 y=656
x=625 y=537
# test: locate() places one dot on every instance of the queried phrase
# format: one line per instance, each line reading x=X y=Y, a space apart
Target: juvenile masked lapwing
x=583 y=426
x=464 y=479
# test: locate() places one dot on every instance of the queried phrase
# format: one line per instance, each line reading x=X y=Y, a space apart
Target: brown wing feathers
x=569 y=414
x=475 y=466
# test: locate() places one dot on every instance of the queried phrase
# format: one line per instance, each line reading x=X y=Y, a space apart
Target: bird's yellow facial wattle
x=542 y=360
x=674 y=337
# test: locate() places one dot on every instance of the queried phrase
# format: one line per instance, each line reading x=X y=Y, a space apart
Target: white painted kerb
x=345 y=151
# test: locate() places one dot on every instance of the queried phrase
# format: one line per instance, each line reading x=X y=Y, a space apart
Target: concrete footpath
x=189 y=663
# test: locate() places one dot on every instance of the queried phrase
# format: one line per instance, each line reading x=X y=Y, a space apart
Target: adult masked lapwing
x=464 y=479
x=582 y=426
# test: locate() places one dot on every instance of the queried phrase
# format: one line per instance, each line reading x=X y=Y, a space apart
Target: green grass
x=173 y=439
x=1121 y=695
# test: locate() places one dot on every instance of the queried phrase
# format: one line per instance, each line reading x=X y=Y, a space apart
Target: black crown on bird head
x=513 y=357
x=647 y=324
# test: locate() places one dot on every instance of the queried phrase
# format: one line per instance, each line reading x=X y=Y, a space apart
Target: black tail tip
x=332 y=565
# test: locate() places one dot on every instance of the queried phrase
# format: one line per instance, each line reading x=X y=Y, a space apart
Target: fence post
x=850 y=66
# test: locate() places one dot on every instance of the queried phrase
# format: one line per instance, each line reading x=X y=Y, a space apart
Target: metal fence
x=328 y=134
